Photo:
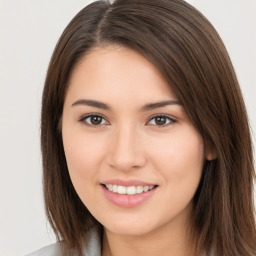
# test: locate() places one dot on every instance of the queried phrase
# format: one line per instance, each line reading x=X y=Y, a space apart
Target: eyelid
x=83 y=118
x=172 y=120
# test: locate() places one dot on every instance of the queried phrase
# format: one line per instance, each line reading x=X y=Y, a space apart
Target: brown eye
x=94 y=120
x=161 y=120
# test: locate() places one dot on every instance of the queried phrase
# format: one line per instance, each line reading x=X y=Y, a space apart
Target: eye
x=94 y=120
x=160 y=120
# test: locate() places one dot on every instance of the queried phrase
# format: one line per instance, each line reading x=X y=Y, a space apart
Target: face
x=133 y=155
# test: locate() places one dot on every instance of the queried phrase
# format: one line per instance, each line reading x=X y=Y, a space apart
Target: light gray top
x=93 y=248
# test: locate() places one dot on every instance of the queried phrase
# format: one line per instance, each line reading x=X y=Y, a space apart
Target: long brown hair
x=189 y=53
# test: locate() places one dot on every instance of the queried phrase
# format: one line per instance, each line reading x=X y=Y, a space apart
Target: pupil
x=96 y=120
x=161 y=120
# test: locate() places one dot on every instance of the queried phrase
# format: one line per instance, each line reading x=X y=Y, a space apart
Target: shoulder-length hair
x=191 y=56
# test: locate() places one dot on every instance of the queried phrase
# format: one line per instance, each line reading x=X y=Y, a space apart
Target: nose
x=126 y=150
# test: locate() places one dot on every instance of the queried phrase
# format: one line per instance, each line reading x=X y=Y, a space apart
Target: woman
x=145 y=139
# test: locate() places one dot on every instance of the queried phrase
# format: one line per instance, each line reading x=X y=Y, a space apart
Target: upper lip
x=127 y=183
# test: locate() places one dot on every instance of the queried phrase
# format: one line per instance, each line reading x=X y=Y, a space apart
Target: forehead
x=115 y=71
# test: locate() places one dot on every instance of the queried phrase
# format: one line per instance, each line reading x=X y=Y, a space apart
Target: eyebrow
x=91 y=103
x=160 y=104
x=147 y=107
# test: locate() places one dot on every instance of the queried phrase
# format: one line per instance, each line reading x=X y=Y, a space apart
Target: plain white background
x=29 y=31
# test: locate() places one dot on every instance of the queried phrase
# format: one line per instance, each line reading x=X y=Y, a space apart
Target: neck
x=161 y=242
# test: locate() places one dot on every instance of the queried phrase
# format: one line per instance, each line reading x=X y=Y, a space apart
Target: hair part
x=192 y=58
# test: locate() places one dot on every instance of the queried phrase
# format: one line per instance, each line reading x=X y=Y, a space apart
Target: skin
x=128 y=143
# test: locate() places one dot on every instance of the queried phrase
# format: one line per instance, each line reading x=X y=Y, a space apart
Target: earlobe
x=59 y=127
x=211 y=157
x=210 y=153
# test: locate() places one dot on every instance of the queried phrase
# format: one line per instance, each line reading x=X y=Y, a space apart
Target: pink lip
x=127 y=183
x=127 y=201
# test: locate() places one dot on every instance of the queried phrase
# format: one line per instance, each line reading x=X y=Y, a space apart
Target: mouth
x=128 y=190
x=128 y=193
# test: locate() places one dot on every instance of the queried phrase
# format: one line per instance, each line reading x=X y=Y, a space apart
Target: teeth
x=145 y=188
x=114 y=188
x=128 y=190
x=139 y=189
x=131 y=190
x=121 y=190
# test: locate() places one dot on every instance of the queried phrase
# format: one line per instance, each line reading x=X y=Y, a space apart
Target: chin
x=129 y=229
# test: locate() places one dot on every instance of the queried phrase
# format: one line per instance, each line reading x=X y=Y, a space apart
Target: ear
x=59 y=127
x=210 y=152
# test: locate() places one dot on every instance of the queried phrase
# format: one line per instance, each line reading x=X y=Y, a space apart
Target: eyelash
x=83 y=120
x=166 y=117
x=90 y=116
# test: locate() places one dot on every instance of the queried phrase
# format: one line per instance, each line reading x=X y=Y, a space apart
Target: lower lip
x=127 y=201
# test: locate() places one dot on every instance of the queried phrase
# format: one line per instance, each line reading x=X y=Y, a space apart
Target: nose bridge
x=127 y=151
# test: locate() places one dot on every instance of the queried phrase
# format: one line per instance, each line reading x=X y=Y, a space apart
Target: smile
x=131 y=190
x=129 y=194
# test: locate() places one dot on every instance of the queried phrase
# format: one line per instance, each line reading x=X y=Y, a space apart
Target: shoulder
x=93 y=247
x=50 y=250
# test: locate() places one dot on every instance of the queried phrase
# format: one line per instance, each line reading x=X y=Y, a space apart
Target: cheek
x=179 y=161
x=180 y=157
x=83 y=156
